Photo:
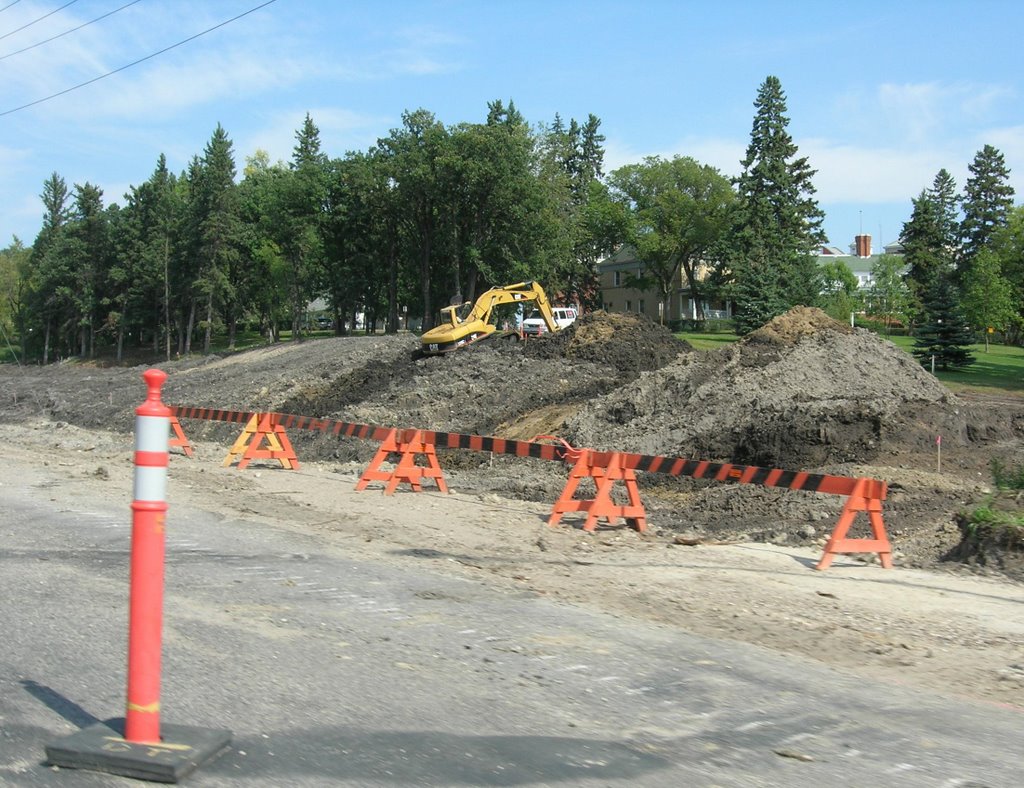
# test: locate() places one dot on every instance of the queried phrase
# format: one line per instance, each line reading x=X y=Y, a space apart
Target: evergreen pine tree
x=778 y=222
x=944 y=335
x=947 y=203
x=988 y=199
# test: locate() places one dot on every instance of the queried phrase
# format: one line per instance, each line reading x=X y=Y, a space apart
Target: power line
x=136 y=62
x=72 y=30
x=40 y=19
x=9 y=5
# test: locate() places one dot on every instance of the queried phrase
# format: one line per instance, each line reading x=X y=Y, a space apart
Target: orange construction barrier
x=867 y=496
x=179 y=438
x=410 y=444
x=263 y=427
x=605 y=468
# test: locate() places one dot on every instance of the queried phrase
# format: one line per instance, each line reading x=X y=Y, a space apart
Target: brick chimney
x=863 y=245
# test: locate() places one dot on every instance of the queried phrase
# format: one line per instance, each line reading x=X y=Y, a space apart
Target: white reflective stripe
x=152 y=433
x=150 y=484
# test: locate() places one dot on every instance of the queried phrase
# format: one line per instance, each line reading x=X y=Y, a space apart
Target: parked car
x=534 y=325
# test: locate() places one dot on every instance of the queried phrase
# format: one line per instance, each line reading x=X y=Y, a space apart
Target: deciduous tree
x=679 y=210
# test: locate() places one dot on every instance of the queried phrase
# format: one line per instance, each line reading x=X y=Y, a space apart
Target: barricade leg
x=867 y=497
x=605 y=468
x=179 y=439
x=410 y=444
x=249 y=445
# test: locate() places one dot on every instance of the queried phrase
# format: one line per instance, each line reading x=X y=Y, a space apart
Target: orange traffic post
x=137 y=746
x=411 y=445
x=605 y=468
x=149 y=511
x=867 y=496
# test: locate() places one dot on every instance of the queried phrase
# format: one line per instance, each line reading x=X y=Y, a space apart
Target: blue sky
x=881 y=95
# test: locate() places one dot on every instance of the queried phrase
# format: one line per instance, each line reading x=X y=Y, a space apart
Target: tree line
x=435 y=213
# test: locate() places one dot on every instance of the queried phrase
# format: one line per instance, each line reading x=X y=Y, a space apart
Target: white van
x=534 y=325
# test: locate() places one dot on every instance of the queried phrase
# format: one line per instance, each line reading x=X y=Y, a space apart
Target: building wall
x=616 y=297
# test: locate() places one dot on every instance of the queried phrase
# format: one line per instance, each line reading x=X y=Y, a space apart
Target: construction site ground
x=721 y=560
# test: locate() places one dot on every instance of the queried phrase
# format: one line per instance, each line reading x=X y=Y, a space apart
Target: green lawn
x=1001 y=369
x=708 y=341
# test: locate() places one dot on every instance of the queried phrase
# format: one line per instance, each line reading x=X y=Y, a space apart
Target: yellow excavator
x=461 y=325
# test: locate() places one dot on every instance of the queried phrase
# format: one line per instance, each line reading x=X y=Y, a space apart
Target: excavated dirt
x=802 y=393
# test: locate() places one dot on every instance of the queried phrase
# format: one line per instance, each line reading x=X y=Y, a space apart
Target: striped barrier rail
x=863 y=494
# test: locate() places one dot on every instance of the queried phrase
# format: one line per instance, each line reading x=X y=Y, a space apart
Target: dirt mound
x=794 y=325
x=804 y=391
x=627 y=342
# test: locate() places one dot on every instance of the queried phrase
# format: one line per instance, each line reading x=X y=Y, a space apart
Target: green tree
x=889 y=297
x=495 y=199
x=88 y=255
x=14 y=293
x=931 y=237
x=988 y=300
x=49 y=276
x=303 y=197
x=839 y=294
x=988 y=199
x=1008 y=243
x=679 y=211
x=583 y=224
x=943 y=338
x=417 y=150
x=218 y=231
x=140 y=275
x=777 y=223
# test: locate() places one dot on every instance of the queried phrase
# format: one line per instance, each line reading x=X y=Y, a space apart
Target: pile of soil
x=629 y=343
x=803 y=391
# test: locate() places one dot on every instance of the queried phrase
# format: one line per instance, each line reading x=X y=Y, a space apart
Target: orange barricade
x=179 y=438
x=605 y=468
x=410 y=444
x=263 y=427
x=867 y=496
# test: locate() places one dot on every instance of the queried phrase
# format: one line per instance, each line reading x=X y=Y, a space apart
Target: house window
x=607 y=306
x=640 y=307
x=618 y=278
x=629 y=306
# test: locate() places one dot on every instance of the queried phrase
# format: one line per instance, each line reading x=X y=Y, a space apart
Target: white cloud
x=418 y=52
x=849 y=173
x=912 y=114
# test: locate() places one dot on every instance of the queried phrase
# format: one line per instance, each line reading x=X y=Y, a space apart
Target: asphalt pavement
x=332 y=671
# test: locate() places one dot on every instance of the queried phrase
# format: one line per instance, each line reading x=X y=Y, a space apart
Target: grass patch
x=707 y=341
x=997 y=523
x=1000 y=369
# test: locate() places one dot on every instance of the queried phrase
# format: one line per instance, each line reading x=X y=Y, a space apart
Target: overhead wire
x=136 y=62
x=9 y=5
x=66 y=32
x=40 y=19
